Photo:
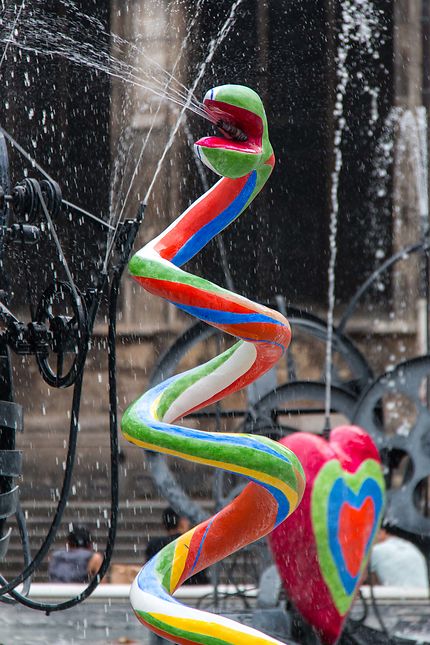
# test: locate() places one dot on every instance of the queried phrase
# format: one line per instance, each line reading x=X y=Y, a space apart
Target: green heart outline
x=329 y=473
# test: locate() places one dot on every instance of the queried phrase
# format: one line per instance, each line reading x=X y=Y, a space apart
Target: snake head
x=239 y=114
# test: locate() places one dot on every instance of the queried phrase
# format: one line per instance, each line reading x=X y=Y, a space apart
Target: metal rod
x=277 y=412
x=38 y=167
x=425 y=42
x=88 y=214
x=400 y=255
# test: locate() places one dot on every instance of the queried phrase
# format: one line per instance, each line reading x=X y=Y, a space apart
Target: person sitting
x=175 y=526
x=396 y=562
x=78 y=562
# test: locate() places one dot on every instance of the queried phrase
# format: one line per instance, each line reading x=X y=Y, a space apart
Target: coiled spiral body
x=276 y=476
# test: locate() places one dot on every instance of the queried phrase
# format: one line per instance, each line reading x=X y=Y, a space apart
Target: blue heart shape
x=339 y=495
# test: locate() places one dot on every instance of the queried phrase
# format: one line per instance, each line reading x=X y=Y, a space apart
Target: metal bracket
x=11 y=416
x=4 y=544
x=10 y=463
x=9 y=503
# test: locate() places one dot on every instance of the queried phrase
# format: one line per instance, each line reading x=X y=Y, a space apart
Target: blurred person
x=77 y=562
x=175 y=526
x=396 y=562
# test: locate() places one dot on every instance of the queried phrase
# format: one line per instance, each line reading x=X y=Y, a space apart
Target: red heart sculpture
x=321 y=550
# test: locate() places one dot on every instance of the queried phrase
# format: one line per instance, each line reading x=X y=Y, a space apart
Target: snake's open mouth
x=242 y=129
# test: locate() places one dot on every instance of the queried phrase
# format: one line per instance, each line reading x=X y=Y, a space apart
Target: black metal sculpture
x=60 y=327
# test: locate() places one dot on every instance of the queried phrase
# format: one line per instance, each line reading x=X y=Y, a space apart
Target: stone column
x=408 y=60
x=153 y=32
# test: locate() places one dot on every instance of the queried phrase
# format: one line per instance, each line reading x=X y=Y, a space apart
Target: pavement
x=95 y=623
x=110 y=620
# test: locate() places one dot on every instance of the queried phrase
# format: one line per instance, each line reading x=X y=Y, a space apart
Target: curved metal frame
x=76 y=326
x=403 y=254
x=343 y=401
x=307 y=322
x=10 y=412
x=4 y=184
x=407 y=379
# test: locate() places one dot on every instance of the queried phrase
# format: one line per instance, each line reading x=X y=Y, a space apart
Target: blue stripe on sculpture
x=215 y=226
x=339 y=495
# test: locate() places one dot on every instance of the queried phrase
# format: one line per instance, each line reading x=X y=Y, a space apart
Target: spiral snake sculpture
x=243 y=156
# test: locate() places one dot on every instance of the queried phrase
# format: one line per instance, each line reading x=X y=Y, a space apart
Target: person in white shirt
x=396 y=562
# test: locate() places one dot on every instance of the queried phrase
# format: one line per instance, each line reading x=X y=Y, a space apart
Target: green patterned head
x=239 y=114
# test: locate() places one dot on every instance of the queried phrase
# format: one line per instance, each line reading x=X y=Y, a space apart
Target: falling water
x=412 y=141
x=403 y=141
x=213 y=46
x=380 y=178
x=113 y=214
x=411 y=150
x=359 y=25
x=81 y=39
x=34 y=164
x=119 y=170
x=12 y=32
x=119 y=160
